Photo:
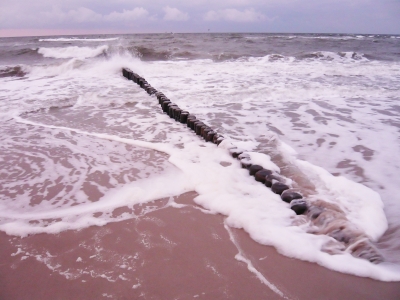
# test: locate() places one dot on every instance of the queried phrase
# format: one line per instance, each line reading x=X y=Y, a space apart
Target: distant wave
x=73 y=52
x=344 y=57
x=78 y=39
x=335 y=56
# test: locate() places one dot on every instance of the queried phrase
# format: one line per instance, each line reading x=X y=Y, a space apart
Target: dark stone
x=220 y=140
x=163 y=99
x=151 y=91
x=244 y=155
x=210 y=136
x=190 y=120
x=235 y=152
x=290 y=195
x=260 y=175
x=126 y=72
x=183 y=117
x=159 y=95
x=139 y=80
x=245 y=164
x=270 y=179
x=195 y=123
x=299 y=206
x=165 y=105
x=177 y=114
x=217 y=139
x=204 y=131
x=279 y=187
x=171 y=110
x=254 y=169
x=143 y=82
x=199 y=127
x=135 y=77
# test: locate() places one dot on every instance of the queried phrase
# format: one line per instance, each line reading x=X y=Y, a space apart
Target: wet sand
x=168 y=253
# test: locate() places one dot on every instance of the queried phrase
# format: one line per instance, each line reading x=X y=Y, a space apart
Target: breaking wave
x=73 y=52
x=78 y=39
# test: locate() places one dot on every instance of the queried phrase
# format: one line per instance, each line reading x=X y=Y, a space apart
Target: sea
x=78 y=141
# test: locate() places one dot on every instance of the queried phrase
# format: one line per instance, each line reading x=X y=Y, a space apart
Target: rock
x=279 y=187
x=135 y=77
x=199 y=126
x=246 y=164
x=298 y=206
x=190 y=120
x=177 y=114
x=165 y=105
x=204 y=130
x=245 y=160
x=126 y=72
x=171 y=110
x=148 y=88
x=195 y=123
x=151 y=91
x=215 y=137
x=210 y=136
x=290 y=195
x=138 y=80
x=143 y=82
x=261 y=174
x=183 y=117
x=162 y=99
x=254 y=169
x=270 y=179
x=219 y=140
x=159 y=95
x=235 y=152
x=244 y=155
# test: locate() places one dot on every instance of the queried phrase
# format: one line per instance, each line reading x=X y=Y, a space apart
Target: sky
x=71 y=17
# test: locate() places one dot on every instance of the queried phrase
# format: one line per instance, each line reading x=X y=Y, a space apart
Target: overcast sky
x=48 y=17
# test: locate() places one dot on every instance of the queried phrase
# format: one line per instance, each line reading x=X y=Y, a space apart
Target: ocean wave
x=73 y=52
x=15 y=71
x=343 y=38
x=147 y=53
x=334 y=56
x=78 y=39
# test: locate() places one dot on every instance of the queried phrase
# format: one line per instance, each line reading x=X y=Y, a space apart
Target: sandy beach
x=168 y=253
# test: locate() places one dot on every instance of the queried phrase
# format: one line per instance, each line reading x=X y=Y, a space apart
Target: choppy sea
x=79 y=141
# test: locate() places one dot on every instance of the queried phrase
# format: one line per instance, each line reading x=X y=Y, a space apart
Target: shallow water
x=332 y=98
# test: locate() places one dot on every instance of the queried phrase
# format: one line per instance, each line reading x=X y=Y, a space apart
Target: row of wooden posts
x=277 y=183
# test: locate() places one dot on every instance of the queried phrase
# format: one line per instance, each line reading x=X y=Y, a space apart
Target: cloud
x=127 y=15
x=174 y=14
x=83 y=14
x=86 y=15
x=234 y=15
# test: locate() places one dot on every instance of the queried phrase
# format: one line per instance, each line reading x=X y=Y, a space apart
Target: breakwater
x=322 y=217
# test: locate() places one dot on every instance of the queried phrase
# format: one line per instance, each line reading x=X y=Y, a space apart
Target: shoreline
x=168 y=253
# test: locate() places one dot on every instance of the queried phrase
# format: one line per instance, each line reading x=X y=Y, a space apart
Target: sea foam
x=73 y=52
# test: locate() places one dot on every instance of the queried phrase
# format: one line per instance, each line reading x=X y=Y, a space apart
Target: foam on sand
x=225 y=189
